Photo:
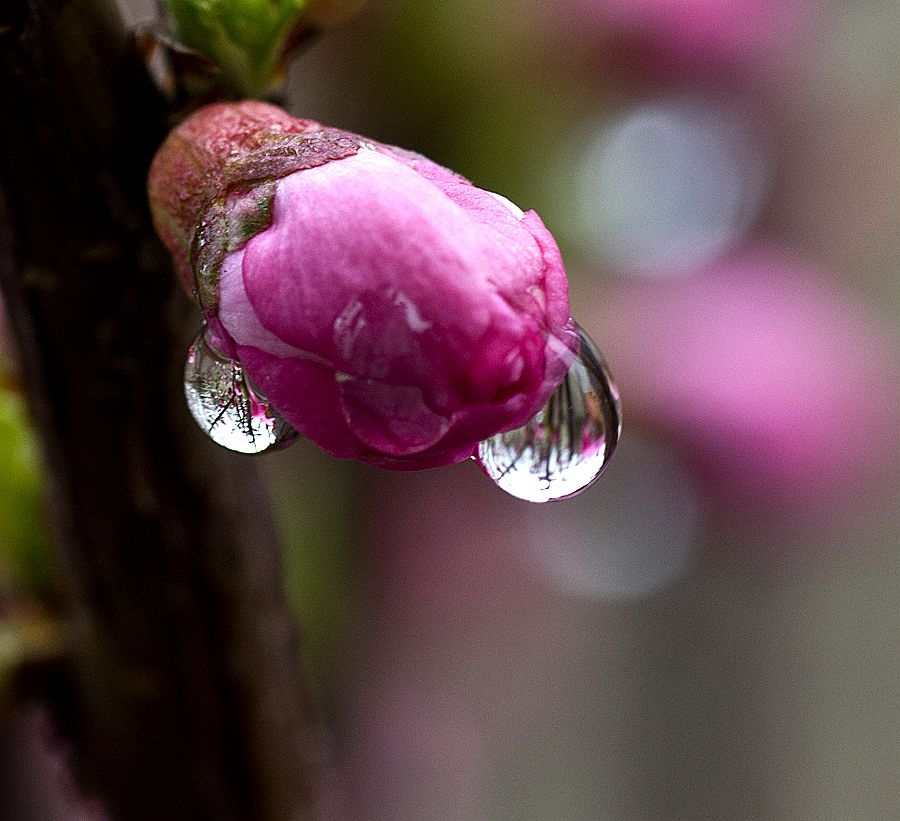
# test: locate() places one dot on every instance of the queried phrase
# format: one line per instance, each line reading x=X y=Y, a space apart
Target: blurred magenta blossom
x=697 y=31
x=782 y=388
x=391 y=311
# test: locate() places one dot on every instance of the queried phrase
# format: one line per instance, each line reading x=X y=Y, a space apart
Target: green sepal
x=244 y=205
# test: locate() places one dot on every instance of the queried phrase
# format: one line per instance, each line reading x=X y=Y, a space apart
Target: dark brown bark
x=188 y=700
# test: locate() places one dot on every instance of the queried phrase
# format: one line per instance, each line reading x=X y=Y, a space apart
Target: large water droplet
x=227 y=407
x=566 y=446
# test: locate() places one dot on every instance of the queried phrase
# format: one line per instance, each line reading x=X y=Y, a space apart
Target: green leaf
x=244 y=38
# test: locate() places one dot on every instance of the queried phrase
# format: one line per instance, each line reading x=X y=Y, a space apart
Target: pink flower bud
x=391 y=311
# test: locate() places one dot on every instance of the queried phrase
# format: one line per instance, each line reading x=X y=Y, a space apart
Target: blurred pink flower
x=781 y=387
x=410 y=751
x=697 y=30
x=390 y=310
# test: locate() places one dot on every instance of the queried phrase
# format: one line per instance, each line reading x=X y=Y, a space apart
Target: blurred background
x=711 y=631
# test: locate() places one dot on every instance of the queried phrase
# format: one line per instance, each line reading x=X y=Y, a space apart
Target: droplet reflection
x=227 y=407
x=566 y=446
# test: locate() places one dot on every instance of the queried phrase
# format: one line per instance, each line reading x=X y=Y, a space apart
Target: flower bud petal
x=390 y=310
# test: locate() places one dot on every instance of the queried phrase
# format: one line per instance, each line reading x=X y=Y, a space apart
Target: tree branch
x=188 y=702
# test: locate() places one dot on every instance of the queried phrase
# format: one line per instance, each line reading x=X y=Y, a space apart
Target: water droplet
x=227 y=407
x=566 y=446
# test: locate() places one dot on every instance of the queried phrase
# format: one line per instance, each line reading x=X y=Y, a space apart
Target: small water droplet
x=566 y=446
x=227 y=407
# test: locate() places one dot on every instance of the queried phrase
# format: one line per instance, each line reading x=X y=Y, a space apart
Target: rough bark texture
x=188 y=699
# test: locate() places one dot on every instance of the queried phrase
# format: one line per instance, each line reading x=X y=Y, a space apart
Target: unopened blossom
x=390 y=310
